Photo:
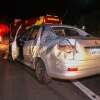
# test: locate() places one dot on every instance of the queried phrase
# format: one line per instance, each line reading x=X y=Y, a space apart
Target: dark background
x=73 y=12
x=33 y=8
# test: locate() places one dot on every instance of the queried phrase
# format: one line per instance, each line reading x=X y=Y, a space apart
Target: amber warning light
x=48 y=19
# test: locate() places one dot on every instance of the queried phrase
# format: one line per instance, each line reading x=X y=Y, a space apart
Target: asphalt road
x=17 y=82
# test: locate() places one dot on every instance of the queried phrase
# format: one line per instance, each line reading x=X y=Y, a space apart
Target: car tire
x=41 y=73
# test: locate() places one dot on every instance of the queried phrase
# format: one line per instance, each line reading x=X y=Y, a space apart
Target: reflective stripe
x=86 y=91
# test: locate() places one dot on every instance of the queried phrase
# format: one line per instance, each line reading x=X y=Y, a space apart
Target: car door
x=26 y=44
x=29 y=44
x=14 y=48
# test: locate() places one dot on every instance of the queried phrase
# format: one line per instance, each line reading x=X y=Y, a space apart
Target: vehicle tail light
x=72 y=69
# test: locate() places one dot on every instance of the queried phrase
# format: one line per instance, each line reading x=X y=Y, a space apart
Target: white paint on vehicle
x=86 y=91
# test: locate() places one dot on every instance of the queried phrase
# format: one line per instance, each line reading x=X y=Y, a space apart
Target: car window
x=34 y=33
x=47 y=34
x=62 y=31
x=68 y=32
x=25 y=35
x=71 y=32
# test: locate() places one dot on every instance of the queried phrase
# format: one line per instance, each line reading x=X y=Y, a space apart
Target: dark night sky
x=32 y=8
x=38 y=7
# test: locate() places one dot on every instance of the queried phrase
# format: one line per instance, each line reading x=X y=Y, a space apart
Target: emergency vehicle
x=25 y=24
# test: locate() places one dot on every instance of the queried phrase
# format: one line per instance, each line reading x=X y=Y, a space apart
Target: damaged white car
x=58 y=51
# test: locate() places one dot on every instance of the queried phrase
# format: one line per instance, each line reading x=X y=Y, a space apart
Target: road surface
x=17 y=82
